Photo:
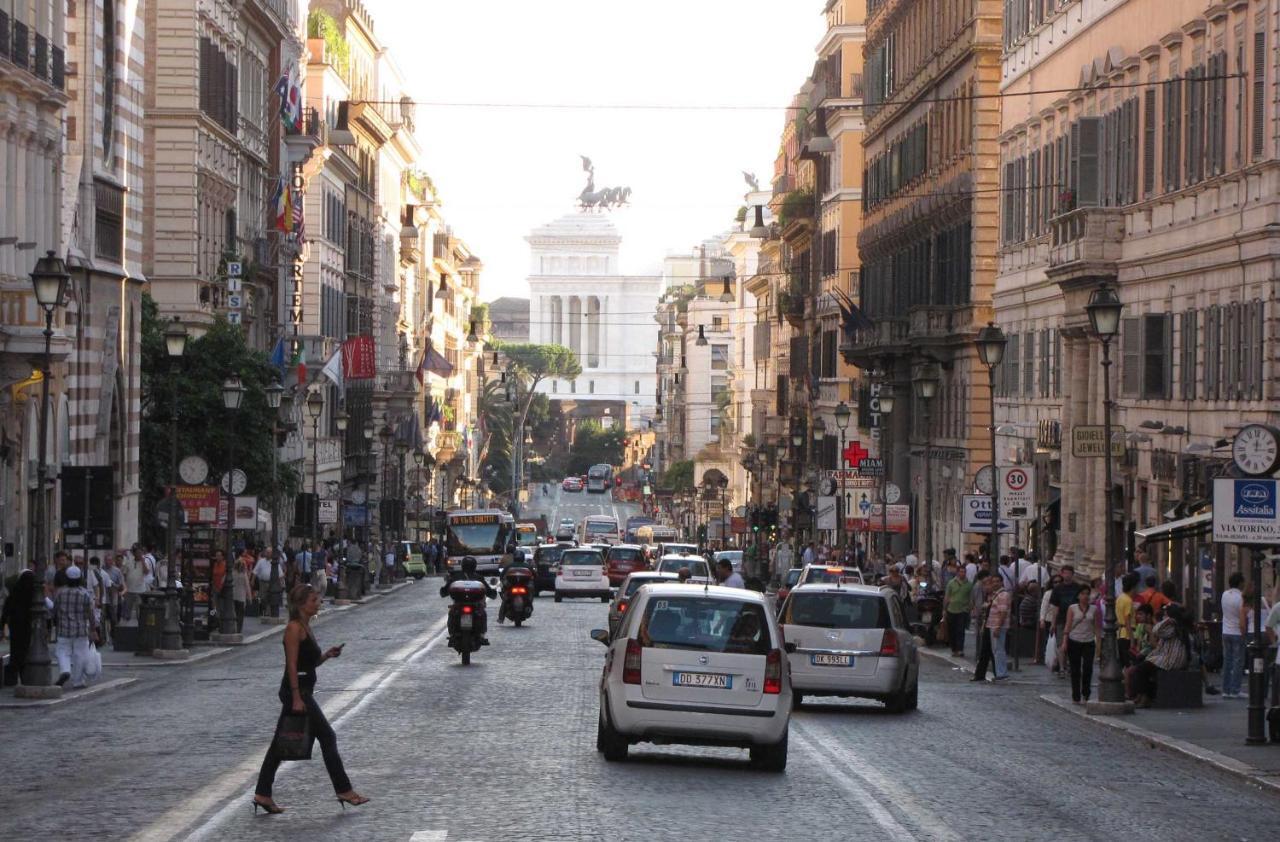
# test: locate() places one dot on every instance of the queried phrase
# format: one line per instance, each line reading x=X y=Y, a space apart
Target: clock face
x=985 y=480
x=193 y=470
x=234 y=482
x=1256 y=450
x=892 y=493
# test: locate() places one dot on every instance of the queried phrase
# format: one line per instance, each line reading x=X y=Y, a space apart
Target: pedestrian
x=956 y=602
x=727 y=576
x=15 y=616
x=1156 y=597
x=1079 y=644
x=241 y=590
x=1046 y=642
x=807 y=557
x=262 y=577
x=999 y=615
x=1146 y=573
x=73 y=616
x=302 y=658
x=114 y=582
x=1171 y=645
x=134 y=570
x=218 y=578
x=1124 y=618
x=783 y=559
x=989 y=586
x=971 y=567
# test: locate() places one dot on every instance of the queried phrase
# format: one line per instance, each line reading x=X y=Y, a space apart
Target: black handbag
x=293 y=739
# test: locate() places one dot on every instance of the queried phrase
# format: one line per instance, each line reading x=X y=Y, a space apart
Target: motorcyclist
x=468 y=573
x=517 y=560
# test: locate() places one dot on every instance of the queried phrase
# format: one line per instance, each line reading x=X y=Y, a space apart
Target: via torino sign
x=1246 y=511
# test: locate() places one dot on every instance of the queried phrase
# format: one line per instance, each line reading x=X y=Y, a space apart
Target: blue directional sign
x=976 y=513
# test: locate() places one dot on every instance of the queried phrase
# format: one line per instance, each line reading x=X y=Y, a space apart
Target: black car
x=546 y=563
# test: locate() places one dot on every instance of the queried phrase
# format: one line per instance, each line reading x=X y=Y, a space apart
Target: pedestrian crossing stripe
x=431 y=836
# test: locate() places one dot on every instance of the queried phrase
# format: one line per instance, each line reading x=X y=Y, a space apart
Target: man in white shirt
x=727 y=576
x=1034 y=571
x=783 y=560
x=1233 y=614
x=262 y=573
x=807 y=557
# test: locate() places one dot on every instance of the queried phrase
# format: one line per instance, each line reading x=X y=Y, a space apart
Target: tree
x=594 y=445
x=191 y=389
x=528 y=364
x=678 y=477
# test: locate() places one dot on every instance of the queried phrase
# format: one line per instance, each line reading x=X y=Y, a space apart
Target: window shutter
x=1259 y=91
x=1258 y=350
x=1044 y=362
x=1131 y=357
x=1057 y=363
x=1231 y=351
x=1086 y=157
x=1245 y=391
x=1212 y=340
x=1029 y=364
x=1157 y=356
x=1012 y=357
x=1190 y=343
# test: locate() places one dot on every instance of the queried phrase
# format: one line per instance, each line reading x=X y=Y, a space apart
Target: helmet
x=469 y=565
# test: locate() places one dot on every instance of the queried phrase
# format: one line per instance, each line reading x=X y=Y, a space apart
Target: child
x=1141 y=644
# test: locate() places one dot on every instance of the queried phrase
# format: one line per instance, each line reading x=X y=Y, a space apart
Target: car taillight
x=889 y=644
x=631 y=663
x=466 y=609
x=622 y=607
x=519 y=591
x=773 y=672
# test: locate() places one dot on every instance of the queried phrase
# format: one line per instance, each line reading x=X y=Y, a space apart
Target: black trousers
x=323 y=733
x=986 y=656
x=1080 y=656
x=956 y=624
x=239 y=615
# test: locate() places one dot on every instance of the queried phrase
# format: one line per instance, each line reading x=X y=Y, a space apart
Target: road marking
x=874 y=808
x=429 y=836
x=230 y=787
x=850 y=762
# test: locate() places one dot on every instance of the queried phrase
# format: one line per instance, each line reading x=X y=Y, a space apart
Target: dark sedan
x=546 y=564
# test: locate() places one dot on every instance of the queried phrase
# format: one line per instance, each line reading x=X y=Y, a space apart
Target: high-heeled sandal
x=354 y=801
x=270 y=809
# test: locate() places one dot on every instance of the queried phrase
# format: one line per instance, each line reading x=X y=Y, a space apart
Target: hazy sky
x=504 y=171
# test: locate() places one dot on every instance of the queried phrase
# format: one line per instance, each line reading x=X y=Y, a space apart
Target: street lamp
x=402 y=449
x=384 y=436
x=419 y=457
x=370 y=465
x=991 y=343
x=49 y=280
x=232 y=396
x=886 y=401
x=1104 y=310
x=175 y=344
x=926 y=382
x=842 y=414
x=275 y=393
x=723 y=483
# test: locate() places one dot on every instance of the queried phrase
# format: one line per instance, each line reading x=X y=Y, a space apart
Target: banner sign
x=358 y=361
x=199 y=502
x=1246 y=511
x=898 y=519
x=827 y=513
x=1089 y=440
x=246 y=516
x=328 y=511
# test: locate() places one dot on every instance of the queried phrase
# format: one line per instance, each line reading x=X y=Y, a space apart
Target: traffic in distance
x=694 y=654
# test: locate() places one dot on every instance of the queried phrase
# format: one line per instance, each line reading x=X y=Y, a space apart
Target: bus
x=599 y=478
x=527 y=539
x=599 y=529
x=486 y=534
x=633 y=523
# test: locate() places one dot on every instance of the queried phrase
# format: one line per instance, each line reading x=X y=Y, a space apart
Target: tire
x=797 y=699
x=558 y=598
x=897 y=703
x=913 y=696
x=770 y=758
x=517 y=622
x=612 y=744
x=466 y=658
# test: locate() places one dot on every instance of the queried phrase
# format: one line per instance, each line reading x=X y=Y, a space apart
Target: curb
x=10 y=702
x=1153 y=739
x=967 y=668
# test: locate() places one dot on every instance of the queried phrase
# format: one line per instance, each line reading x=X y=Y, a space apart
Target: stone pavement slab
x=68 y=694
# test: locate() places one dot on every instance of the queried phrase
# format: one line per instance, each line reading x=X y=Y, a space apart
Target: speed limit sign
x=1017 y=492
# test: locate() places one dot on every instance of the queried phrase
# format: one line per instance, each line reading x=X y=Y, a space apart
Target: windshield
x=625 y=555
x=634 y=582
x=549 y=554
x=837 y=611
x=697 y=566
x=477 y=538
x=599 y=471
x=793 y=576
x=602 y=527
x=680 y=548
x=527 y=537
x=706 y=624
x=581 y=558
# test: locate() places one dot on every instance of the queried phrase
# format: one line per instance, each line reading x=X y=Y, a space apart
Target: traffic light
x=756 y=520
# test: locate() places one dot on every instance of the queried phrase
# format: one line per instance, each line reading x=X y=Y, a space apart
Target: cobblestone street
x=505 y=749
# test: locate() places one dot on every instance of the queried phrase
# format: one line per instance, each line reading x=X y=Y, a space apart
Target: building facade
x=1157 y=173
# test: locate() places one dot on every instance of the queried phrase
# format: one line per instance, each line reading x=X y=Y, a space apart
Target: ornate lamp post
x=232 y=396
x=723 y=483
x=819 y=435
x=49 y=280
x=175 y=344
x=419 y=458
x=1104 y=310
x=402 y=450
x=275 y=393
x=991 y=343
x=842 y=414
x=340 y=422
x=926 y=382
x=887 y=401
x=384 y=435
x=370 y=467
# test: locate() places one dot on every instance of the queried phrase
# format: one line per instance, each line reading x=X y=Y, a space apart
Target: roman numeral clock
x=1256 y=450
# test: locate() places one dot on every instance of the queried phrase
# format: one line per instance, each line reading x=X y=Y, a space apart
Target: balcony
x=1085 y=243
x=887 y=336
x=312 y=135
x=939 y=321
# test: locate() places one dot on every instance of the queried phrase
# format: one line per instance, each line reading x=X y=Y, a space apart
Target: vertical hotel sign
x=299 y=261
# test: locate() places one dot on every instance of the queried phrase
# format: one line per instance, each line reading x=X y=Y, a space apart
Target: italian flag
x=300 y=360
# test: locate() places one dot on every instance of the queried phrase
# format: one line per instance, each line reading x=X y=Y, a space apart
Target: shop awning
x=1201 y=524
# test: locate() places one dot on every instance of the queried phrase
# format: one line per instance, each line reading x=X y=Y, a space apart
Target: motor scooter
x=928 y=605
x=517 y=595
x=467 y=617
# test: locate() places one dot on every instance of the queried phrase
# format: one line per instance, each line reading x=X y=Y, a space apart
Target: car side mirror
x=600 y=635
x=790 y=648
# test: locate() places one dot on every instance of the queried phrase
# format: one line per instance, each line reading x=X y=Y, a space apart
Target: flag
x=432 y=414
x=277 y=356
x=333 y=368
x=296 y=217
x=282 y=207
x=290 y=93
x=435 y=362
x=300 y=360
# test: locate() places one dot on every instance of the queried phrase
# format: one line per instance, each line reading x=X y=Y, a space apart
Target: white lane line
x=173 y=824
x=874 y=808
x=429 y=836
x=855 y=765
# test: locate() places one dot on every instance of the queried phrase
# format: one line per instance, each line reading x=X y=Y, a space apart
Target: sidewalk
x=1213 y=734
x=114 y=662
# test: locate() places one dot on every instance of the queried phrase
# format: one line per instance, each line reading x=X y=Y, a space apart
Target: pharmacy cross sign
x=855 y=453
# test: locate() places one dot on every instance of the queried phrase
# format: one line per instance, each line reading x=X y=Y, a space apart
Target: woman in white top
x=1080 y=643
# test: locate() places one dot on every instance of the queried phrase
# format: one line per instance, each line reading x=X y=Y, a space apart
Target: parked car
x=851 y=640
x=695 y=666
x=622 y=560
x=582 y=575
x=415 y=564
x=626 y=591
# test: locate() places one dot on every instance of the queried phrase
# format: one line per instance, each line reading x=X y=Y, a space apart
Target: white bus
x=599 y=478
x=486 y=534
x=599 y=529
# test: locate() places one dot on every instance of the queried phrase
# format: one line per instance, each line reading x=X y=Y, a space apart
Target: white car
x=695 y=666
x=850 y=640
x=668 y=548
x=699 y=570
x=734 y=557
x=582 y=574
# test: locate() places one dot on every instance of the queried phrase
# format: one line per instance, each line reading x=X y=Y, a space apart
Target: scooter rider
x=517 y=560
x=468 y=573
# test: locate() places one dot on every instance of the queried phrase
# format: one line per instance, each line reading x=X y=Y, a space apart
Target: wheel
x=797 y=699
x=897 y=703
x=913 y=696
x=558 y=599
x=466 y=658
x=612 y=744
x=770 y=758
x=517 y=622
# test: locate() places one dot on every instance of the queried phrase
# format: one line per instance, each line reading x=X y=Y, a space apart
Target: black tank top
x=309 y=656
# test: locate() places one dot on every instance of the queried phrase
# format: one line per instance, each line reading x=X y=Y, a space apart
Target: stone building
x=1158 y=173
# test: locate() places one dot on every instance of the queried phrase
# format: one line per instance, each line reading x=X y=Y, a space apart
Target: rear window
x=625 y=555
x=580 y=558
x=837 y=611
x=549 y=554
x=601 y=527
x=697 y=567
x=706 y=624
x=832 y=575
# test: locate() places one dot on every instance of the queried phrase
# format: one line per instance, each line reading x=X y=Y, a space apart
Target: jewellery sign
x=1246 y=511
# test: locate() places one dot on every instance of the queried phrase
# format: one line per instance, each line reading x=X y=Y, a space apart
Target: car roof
x=850 y=587
x=718 y=591
x=652 y=575
x=683 y=557
x=588 y=549
x=626 y=547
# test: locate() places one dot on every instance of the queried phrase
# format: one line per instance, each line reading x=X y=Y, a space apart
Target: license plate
x=583 y=574
x=716 y=680
x=821 y=660
x=926 y=617
x=517 y=603
x=466 y=622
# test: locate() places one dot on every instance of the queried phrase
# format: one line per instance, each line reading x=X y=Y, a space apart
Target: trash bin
x=150 y=623
x=355 y=580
